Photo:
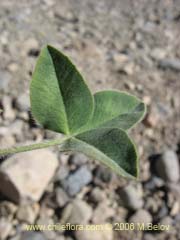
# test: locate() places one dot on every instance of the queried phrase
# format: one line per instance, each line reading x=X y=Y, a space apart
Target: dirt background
x=125 y=45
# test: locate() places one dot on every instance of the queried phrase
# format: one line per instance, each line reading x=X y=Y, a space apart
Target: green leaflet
x=95 y=125
x=110 y=146
x=60 y=99
x=115 y=109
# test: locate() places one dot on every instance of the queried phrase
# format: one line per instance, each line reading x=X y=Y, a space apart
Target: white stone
x=25 y=175
x=13 y=67
x=28 y=213
x=5 y=228
x=77 y=212
x=102 y=213
x=7 y=141
x=8 y=112
x=23 y=102
x=131 y=197
x=158 y=54
x=141 y=216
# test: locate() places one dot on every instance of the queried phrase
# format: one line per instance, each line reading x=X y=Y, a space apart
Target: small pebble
x=175 y=208
x=5 y=78
x=97 y=195
x=103 y=173
x=23 y=102
x=7 y=141
x=61 y=173
x=5 y=228
x=77 y=212
x=167 y=166
x=141 y=216
x=78 y=159
x=61 y=197
x=28 y=213
x=8 y=111
x=77 y=180
x=102 y=212
x=130 y=197
x=173 y=64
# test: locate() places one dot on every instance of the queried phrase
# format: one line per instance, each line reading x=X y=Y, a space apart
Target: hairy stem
x=33 y=146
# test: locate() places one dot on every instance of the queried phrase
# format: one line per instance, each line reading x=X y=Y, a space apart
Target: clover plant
x=94 y=124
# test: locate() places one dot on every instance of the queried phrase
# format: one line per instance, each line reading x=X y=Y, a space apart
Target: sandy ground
x=125 y=45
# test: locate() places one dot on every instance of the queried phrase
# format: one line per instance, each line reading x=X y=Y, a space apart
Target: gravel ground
x=126 y=45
